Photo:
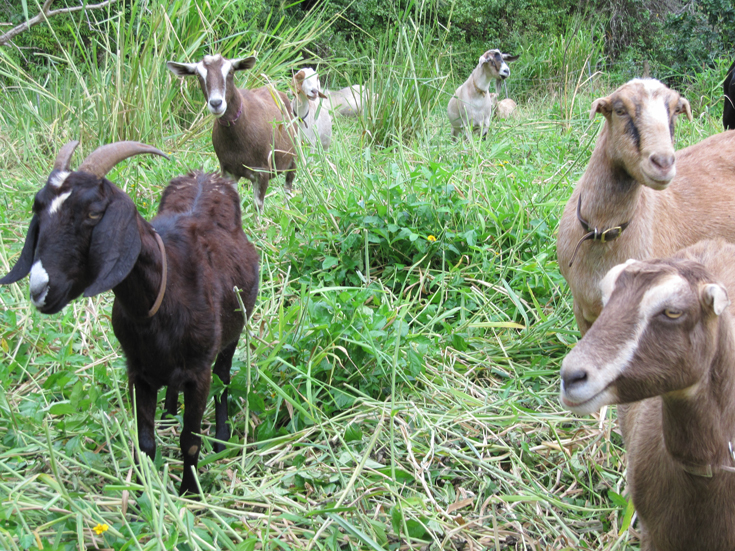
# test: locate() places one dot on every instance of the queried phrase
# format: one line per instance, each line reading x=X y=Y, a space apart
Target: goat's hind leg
x=195 y=400
x=222 y=367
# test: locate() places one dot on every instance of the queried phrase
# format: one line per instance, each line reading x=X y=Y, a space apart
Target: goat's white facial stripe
x=607 y=285
x=58 y=201
x=58 y=179
x=38 y=284
x=651 y=304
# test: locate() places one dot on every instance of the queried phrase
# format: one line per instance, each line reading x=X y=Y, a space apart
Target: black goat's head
x=83 y=237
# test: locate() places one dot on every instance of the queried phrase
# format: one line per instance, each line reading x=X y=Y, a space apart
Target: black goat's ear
x=115 y=245
x=25 y=261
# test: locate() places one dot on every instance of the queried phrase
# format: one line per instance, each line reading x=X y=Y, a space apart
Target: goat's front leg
x=195 y=400
x=145 y=407
x=260 y=185
x=222 y=367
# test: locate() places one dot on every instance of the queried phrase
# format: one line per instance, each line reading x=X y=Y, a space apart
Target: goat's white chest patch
x=58 y=201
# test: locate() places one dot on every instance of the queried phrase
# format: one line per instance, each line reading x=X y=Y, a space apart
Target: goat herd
x=658 y=334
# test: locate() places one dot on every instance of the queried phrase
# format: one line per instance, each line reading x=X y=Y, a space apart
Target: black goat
x=728 y=113
x=175 y=307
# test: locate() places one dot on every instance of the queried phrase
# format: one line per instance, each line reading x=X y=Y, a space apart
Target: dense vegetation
x=399 y=384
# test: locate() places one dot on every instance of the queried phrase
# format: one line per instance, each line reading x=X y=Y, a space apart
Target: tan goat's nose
x=663 y=161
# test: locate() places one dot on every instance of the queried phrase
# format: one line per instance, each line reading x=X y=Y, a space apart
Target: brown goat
x=639 y=198
x=175 y=311
x=664 y=346
x=253 y=134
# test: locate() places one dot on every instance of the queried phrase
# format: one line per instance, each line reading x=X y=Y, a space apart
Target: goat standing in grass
x=176 y=309
x=472 y=104
x=664 y=346
x=314 y=119
x=639 y=198
x=253 y=133
x=728 y=112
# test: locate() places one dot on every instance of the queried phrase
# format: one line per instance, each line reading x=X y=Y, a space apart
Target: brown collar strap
x=164 y=273
x=603 y=236
x=233 y=121
x=478 y=89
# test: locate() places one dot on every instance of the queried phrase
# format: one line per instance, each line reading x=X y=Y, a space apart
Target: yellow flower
x=431 y=238
x=101 y=529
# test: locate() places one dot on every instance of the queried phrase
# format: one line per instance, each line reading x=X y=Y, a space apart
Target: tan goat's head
x=495 y=64
x=640 y=120
x=215 y=74
x=653 y=336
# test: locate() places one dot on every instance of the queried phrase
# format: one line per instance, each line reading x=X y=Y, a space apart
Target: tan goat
x=314 y=119
x=472 y=104
x=253 y=134
x=639 y=198
x=664 y=345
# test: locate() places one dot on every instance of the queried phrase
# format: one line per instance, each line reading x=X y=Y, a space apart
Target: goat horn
x=64 y=157
x=105 y=157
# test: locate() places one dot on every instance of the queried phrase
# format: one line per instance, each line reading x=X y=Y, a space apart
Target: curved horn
x=105 y=157
x=64 y=157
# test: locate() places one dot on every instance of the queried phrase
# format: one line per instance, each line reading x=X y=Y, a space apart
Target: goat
x=175 y=309
x=638 y=198
x=349 y=101
x=313 y=115
x=664 y=346
x=505 y=108
x=728 y=112
x=472 y=105
x=253 y=135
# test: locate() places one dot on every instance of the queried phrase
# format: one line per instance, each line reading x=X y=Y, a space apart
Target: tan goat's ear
x=243 y=64
x=607 y=285
x=715 y=296
x=684 y=107
x=299 y=75
x=601 y=105
x=322 y=94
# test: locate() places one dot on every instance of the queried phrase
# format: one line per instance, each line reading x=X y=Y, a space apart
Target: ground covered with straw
x=397 y=384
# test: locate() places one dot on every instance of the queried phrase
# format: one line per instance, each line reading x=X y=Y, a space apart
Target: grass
x=397 y=386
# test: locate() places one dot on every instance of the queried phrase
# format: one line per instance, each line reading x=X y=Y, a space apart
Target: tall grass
x=397 y=386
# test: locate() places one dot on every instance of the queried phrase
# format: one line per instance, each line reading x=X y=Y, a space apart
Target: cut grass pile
x=398 y=384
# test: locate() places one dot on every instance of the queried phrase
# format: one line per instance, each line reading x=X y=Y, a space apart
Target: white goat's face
x=652 y=337
x=215 y=75
x=495 y=64
x=306 y=82
x=641 y=116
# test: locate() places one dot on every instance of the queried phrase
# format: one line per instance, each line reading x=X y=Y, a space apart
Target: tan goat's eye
x=672 y=314
x=94 y=215
x=620 y=112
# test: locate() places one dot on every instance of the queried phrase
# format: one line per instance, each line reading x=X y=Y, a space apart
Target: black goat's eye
x=94 y=215
x=672 y=313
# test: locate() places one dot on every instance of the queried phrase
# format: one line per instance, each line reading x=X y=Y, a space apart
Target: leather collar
x=302 y=119
x=603 y=236
x=478 y=89
x=233 y=121
x=164 y=273
x=708 y=471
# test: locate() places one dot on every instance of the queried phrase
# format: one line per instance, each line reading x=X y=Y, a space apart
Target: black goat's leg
x=171 y=405
x=195 y=400
x=222 y=369
x=145 y=408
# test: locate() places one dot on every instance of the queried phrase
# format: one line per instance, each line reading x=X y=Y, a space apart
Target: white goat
x=312 y=113
x=472 y=105
x=349 y=101
x=664 y=345
x=639 y=198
